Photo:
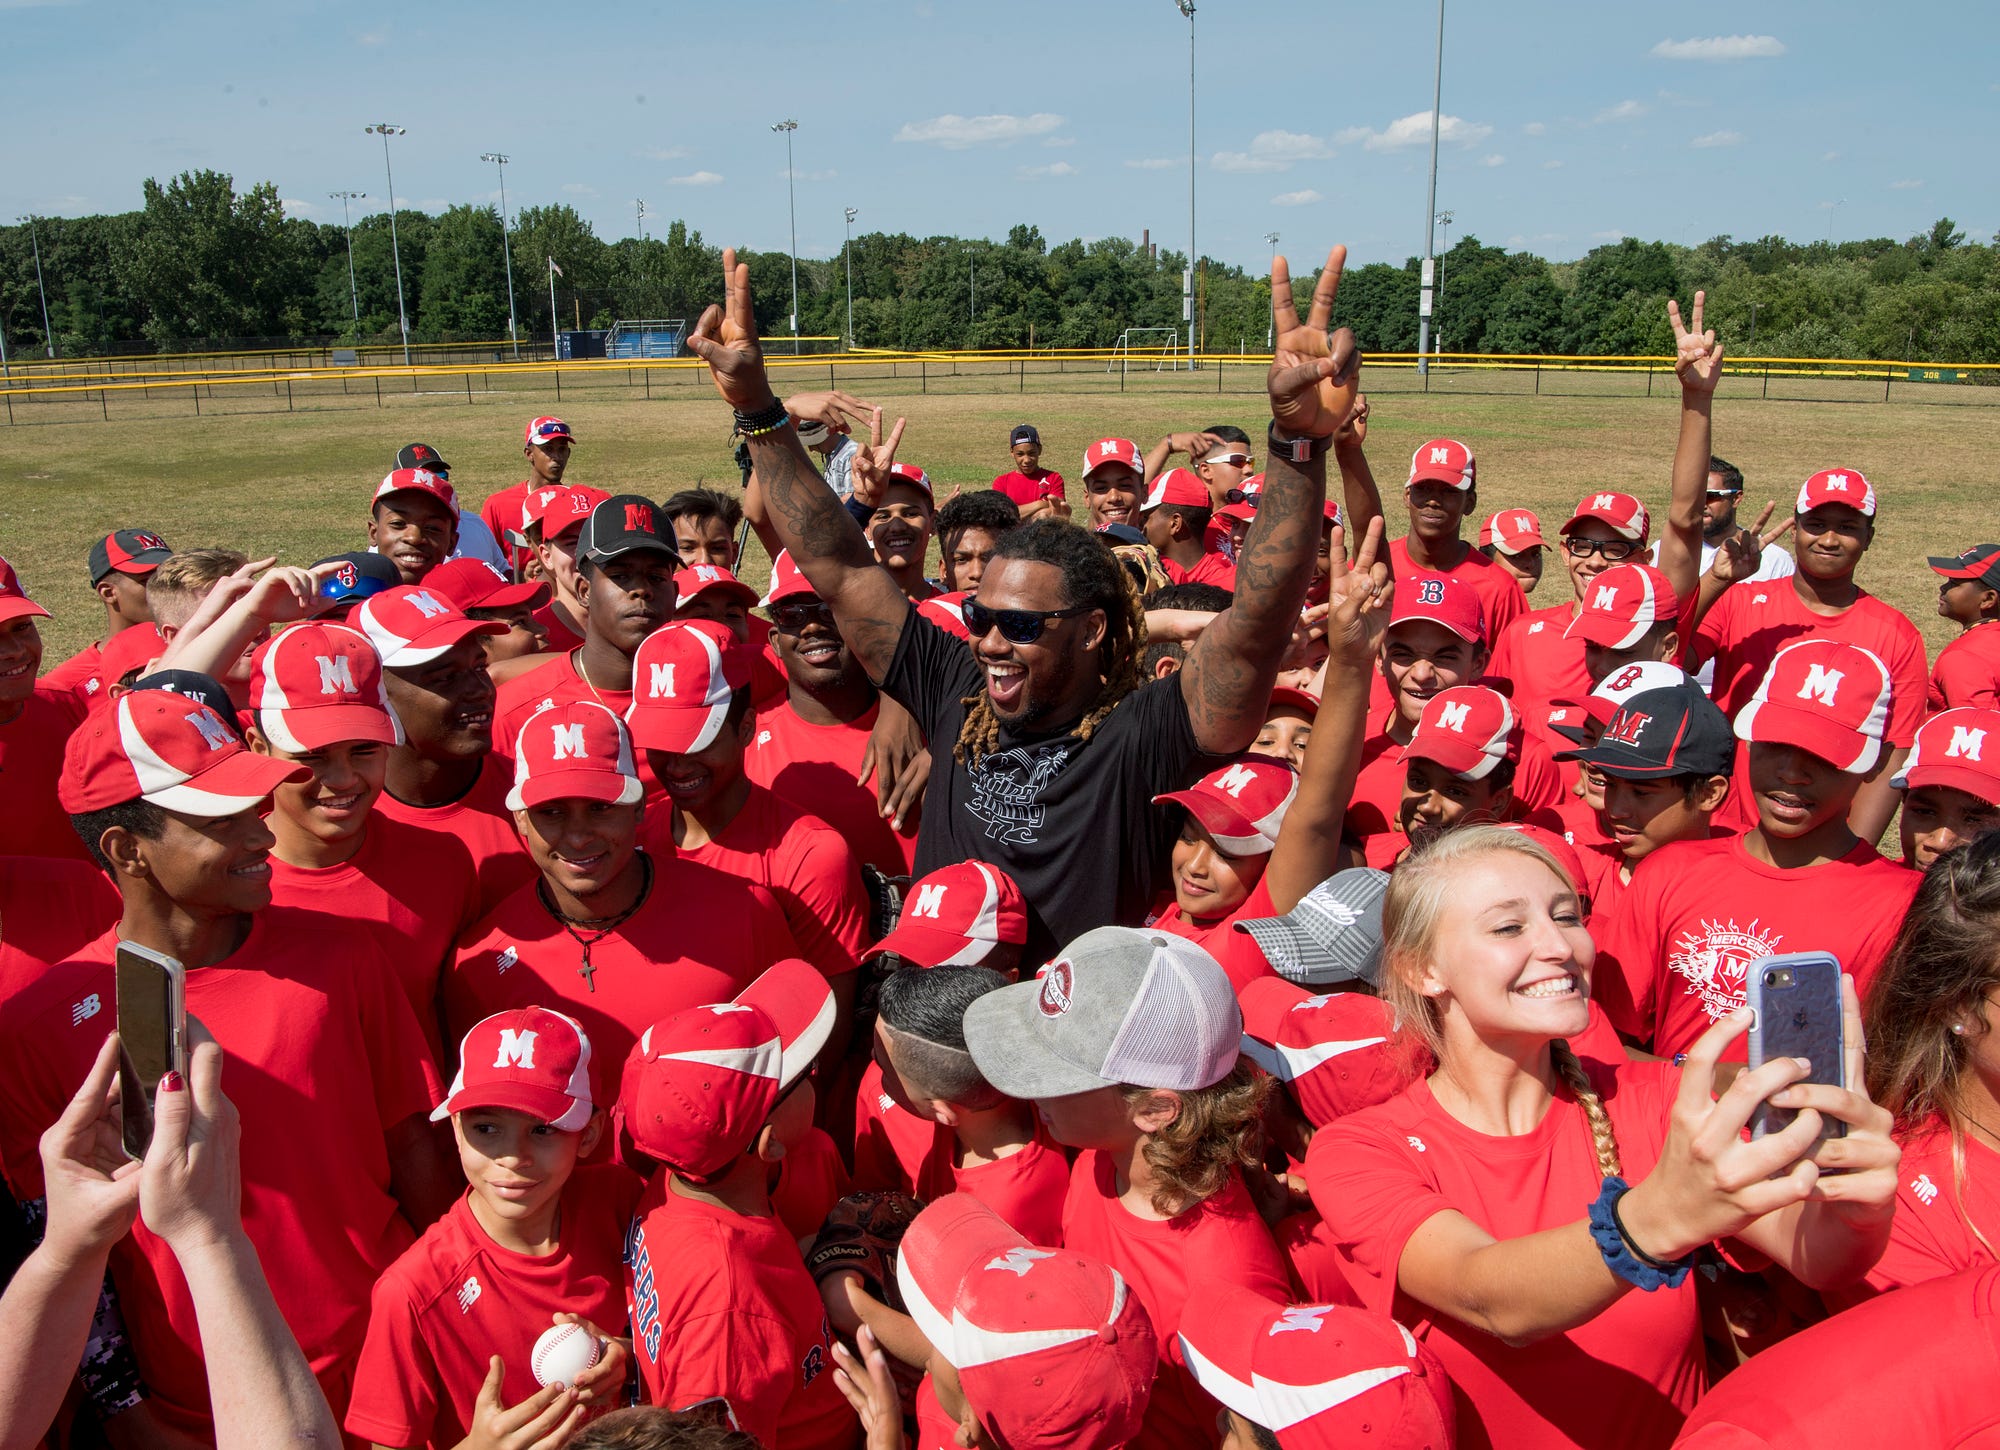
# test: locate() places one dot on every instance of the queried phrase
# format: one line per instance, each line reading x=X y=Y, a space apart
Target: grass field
x=249 y=474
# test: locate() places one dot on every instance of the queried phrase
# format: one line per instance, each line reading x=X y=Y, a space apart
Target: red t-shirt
x=815 y=767
x=81 y=675
x=557 y=683
x=947 y=611
x=1750 y=623
x=502 y=513
x=721 y=1304
x=1536 y=663
x=1672 y=958
x=562 y=638
x=1221 y=1240
x=479 y=821
x=1501 y=601
x=799 y=859
x=1025 y=490
x=1915 y=1368
x=1581 y=824
x=811 y=1180
x=31 y=758
x=1932 y=1233
x=1967 y=671
x=664 y=959
x=323 y=1056
x=1626 y=1377
x=1377 y=802
x=416 y=894
x=455 y=1298
x=1237 y=951
x=48 y=909
x=1212 y=567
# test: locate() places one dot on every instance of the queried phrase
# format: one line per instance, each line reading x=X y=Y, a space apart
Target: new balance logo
x=517 y=1049
x=1019 y=1261
x=1452 y=717
x=1925 y=1190
x=336 y=675
x=1821 y=685
x=1300 y=1316
x=468 y=1294
x=88 y=1008
x=928 y=901
x=1536 y=627
x=502 y=960
x=1966 y=743
x=1417 y=1143
x=568 y=741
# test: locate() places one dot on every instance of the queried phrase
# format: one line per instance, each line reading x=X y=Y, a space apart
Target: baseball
x=562 y=1353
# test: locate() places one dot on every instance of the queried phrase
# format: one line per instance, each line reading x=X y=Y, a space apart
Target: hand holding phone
x=1796 y=1001
x=152 y=1036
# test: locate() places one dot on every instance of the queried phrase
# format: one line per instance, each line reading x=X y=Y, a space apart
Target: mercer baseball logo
x=1234 y=779
x=568 y=742
x=83 y=1011
x=1058 y=987
x=1300 y=1316
x=660 y=683
x=929 y=901
x=1821 y=685
x=149 y=541
x=1520 y=523
x=1626 y=727
x=1452 y=716
x=1441 y=456
x=1430 y=591
x=468 y=1295
x=1017 y=1261
x=427 y=603
x=212 y=730
x=1836 y=483
x=1606 y=597
x=638 y=518
x=1925 y=1190
x=1604 y=501
x=1966 y=743
x=336 y=675
x=517 y=1049
x=1715 y=961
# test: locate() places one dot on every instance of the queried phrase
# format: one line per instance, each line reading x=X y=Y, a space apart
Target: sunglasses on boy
x=796 y=618
x=1017 y=626
x=1614 y=550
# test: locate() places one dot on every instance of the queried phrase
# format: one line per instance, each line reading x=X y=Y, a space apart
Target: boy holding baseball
x=472 y=1326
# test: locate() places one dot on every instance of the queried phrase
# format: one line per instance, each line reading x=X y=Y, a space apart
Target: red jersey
x=1672 y=958
x=1937 y=1212
x=1581 y=824
x=947 y=612
x=502 y=513
x=81 y=675
x=1967 y=671
x=48 y=909
x=1318 y=1276
x=799 y=859
x=323 y=1057
x=1237 y=951
x=816 y=767
x=1625 y=1378
x=811 y=1180
x=31 y=758
x=480 y=822
x=416 y=894
x=1025 y=490
x=1212 y=567
x=663 y=959
x=1376 y=806
x=1751 y=622
x=1221 y=1240
x=562 y=639
x=455 y=1298
x=1501 y=601
x=721 y=1304
x=557 y=683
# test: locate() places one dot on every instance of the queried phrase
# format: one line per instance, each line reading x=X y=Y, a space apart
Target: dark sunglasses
x=1616 y=550
x=1237 y=495
x=791 y=618
x=1717 y=495
x=1017 y=626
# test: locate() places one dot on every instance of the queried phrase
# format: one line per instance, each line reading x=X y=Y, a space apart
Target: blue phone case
x=1796 y=1018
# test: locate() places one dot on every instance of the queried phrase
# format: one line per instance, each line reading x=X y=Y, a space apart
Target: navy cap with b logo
x=624 y=523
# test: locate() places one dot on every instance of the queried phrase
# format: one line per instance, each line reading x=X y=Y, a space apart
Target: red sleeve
x=395 y=1395
x=1712 y=634
x=1962 y=678
x=1627 y=950
x=405 y=1080
x=1505 y=603
x=1537 y=783
x=1500 y=664
x=1052 y=486
x=825 y=903
x=743 y=1358
x=1373 y=1196
x=1907 y=683
x=771 y=938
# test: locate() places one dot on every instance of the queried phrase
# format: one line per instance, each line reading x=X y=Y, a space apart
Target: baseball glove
x=861 y=1234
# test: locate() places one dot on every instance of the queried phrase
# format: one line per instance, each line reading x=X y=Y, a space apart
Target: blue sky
x=1566 y=124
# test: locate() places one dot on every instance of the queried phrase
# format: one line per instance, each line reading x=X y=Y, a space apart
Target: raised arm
x=802 y=513
x=1698 y=364
x=1360 y=499
x=1229 y=670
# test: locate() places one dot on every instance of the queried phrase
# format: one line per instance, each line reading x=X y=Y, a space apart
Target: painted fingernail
x=171 y=1083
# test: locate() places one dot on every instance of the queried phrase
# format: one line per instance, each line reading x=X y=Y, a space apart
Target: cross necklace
x=587 y=931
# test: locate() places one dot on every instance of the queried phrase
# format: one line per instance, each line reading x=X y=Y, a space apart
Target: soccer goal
x=1136 y=345
x=645 y=339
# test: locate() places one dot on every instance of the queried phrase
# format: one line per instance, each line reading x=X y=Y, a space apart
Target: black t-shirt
x=1072 y=822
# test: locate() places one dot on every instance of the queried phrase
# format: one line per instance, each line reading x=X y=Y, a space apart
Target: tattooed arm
x=1229 y=670
x=807 y=518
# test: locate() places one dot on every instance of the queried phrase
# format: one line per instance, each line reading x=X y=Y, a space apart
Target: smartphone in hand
x=1796 y=1001
x=152 y=1036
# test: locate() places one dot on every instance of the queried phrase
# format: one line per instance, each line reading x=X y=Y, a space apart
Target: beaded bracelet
x=768 y=420
x=1623 y=1257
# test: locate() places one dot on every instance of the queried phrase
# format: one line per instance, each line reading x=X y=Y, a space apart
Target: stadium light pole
x=1444 y=220
x=385 y=131
x=639 y=211
x=1186 y=7
x=847 y=254
x=506 y=249
x=791 y=201
x=1271 y=326
x=1430 y=207
x=48 y=333
x=347 y=225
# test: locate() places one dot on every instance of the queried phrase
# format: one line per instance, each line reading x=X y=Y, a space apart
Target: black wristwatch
x=1298 y=450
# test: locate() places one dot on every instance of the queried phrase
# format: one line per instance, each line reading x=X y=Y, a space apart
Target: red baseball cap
x=170 y=751
x=955 y=916
x=1334 y=1050
x=14 y=602
x=1442 y=599
x=699 y=579
x=412 y=624
x=911 y=474
x=1626 y=515
x=700 y=1084
x=558 y=510
x=1512 y=531
x=1292 y=698
x=786 y=580
x=1837 y=485
x=543 y=430
x=1467 y=729
x=1242 y=806
x=1176 y=486
x=1611 y=692
x=532 y=1059
x=315 y=685
x=795 y=995
x=1621 y=604
x=684 y=675
x=1951 y=750
x=574 y=751
x=1252 y=489
x=1318 y=1376
x=417 y=480
x=476 y=584
x=1825 y=696
x=1443 y=460
x=1051 y=1347
x=128 y=650
x=1245 y=511
x=1113 y=450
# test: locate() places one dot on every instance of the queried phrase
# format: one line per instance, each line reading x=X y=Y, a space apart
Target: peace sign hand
x=726 y=339
x=1697 y=355
x=1358 y=594
x=1737 y=557
x=1313 y=374
x=869 y=470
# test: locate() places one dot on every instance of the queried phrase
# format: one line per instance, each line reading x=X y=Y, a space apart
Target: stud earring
x=1958 y=1029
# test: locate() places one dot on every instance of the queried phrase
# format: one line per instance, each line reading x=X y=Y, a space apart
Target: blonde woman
x=1487 y=1205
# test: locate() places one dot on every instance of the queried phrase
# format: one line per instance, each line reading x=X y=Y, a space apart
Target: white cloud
x=1717 y=138
x=1494 y=160
x=294 y=207
x=1157 y=163
x=1296 y=198
x=661 y=153
x=1905 y=185
x=1720 y=47
x=577 y=188
x=1831 y=156
x=955 y=133
x=1551 y=166
x=1274 y=151
x=1036 y=173
x=1623 y=111
x=1535 y=128
x=1415 y=130
x=1244 y=161
x=826 y=175
x=1060 y=141
x=697 y=178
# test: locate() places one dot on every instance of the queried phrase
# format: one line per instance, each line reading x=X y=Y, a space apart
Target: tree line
x=203 y=265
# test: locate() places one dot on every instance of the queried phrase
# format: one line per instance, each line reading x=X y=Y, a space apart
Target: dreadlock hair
x=1924 y=1016
x=1093 y=578
x=1412 y=913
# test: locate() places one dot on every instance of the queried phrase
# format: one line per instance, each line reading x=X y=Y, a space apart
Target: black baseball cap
x=1674 y=730
x=623 y=523
x=1024 y=433
x=195 y=686
x=421 y=455
x=1981 y=562
x=360 y=575
x=137 y=552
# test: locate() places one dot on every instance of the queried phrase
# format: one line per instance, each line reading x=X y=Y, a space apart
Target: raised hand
x=726 y=339
x=869 y=470
x=191 y=1190
x=1697 y=355
x=1354 y=432
x=867 y=1384
x=1737 y=557
x=1357 y=597
x=1314 y=374
x=839 y=411
x=91 y=1186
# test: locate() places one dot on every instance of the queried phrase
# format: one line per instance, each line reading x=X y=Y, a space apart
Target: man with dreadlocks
x=1058 y=747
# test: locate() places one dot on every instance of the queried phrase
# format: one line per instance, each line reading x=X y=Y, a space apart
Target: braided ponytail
x=1602 y=1137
